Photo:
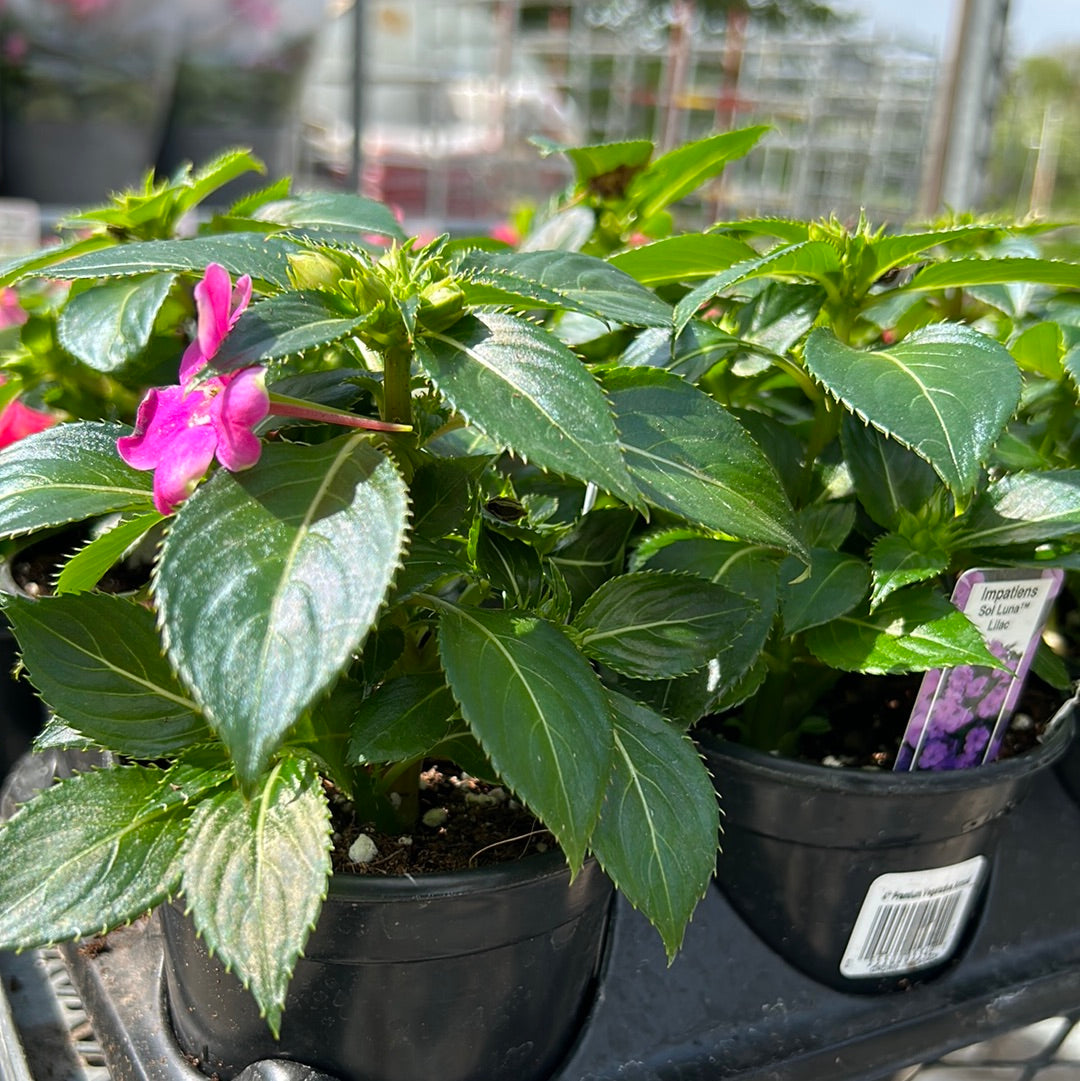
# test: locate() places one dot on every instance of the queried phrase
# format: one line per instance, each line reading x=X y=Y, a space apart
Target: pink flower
x=12 y=313
x=260 y=14
x=85 y=9
x=506 y=233
x=18 y=420
x=179 y=430
x=15 y=47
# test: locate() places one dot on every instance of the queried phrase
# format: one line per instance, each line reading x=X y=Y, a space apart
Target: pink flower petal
x=241 y=298
x=191 y=363
x=189 y=456
x=212 y=296
x=163 y=414
x=178 y=430
x=18 y=420
x=236 y=410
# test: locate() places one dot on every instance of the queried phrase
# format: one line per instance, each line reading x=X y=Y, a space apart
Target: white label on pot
x=912 y=920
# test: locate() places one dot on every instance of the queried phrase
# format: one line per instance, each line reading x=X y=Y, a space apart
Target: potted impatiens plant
x=875 y=371
x=389 y=510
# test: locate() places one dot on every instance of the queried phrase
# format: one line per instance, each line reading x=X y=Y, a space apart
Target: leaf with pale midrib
x=254 y=876
x=522 y=387
x=91 y=853
x=96 y=661
x=538 y=710
x=946 y=392
x=258 y=627
x=658 y=830
x=68 y=473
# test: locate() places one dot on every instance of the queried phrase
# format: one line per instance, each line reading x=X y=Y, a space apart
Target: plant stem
x=397 y=385
x=282 y=406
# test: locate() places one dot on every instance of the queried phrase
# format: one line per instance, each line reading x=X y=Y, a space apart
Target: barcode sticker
x=913 y=920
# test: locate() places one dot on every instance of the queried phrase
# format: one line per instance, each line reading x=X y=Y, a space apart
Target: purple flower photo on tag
x=961 y=714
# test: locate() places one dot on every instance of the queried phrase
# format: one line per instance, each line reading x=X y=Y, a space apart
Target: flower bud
x=314 y=270
x=441 y=304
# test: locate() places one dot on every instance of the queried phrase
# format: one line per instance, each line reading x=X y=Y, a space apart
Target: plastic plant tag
x=912 y=920
x=960 y=714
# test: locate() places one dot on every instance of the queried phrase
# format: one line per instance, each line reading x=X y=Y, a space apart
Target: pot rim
x=512 y=874
x=811 y=775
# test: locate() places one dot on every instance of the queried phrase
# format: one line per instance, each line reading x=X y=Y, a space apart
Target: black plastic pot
x=866 y=880
x=21 y=712
x=465 y=977
x=1068 y=768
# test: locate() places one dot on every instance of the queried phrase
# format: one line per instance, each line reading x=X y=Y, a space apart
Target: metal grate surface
x=53 y=1040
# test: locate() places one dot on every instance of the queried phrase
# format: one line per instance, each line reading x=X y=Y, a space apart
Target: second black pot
x=865 y=880
x=464 y=977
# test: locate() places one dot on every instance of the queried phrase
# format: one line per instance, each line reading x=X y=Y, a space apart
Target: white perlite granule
x=363 y=849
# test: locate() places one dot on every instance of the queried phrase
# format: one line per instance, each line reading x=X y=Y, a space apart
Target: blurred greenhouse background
x=450 y=97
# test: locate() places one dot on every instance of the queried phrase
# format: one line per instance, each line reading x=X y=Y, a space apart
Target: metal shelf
x=729 y=1008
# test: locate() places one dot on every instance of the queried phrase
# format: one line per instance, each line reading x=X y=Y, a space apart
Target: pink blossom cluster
x=179 y=430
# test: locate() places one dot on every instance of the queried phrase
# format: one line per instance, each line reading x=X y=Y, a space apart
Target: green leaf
x=89 y=854
x=888 y=477
x=658 y=831
x=67 y=473
x=107 y=327
x=427 y=562
x=567 y=230
x=265 y=258
x=946 y=392
x=1052 y=669
x=333 y=216
x=526 y=390
x=24 y=266
x=548 y=729
x=779 y=315
x=287 y=325
x=316 y=534
x=896 y=249
x=814 y=259
x=216 y=173
x=1039 y=349
x=441 y=492
x=688 y=455
x=403 y=719
x=512 y=566
x=748 y=569
x=912 y=631
x=1071 y=364
x=837 y=582
x=95 y=659
x=689 y=257
x=699 y=348
x=255 y=874
x=561 y=280
x=955 y=273
x=593 y=550
x=676 y=174
x=655 y=625
x=89 y=565
x=828 y=525
x=601 y=159
x=1024 y=508
x=788 y=230
x=897 y=562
